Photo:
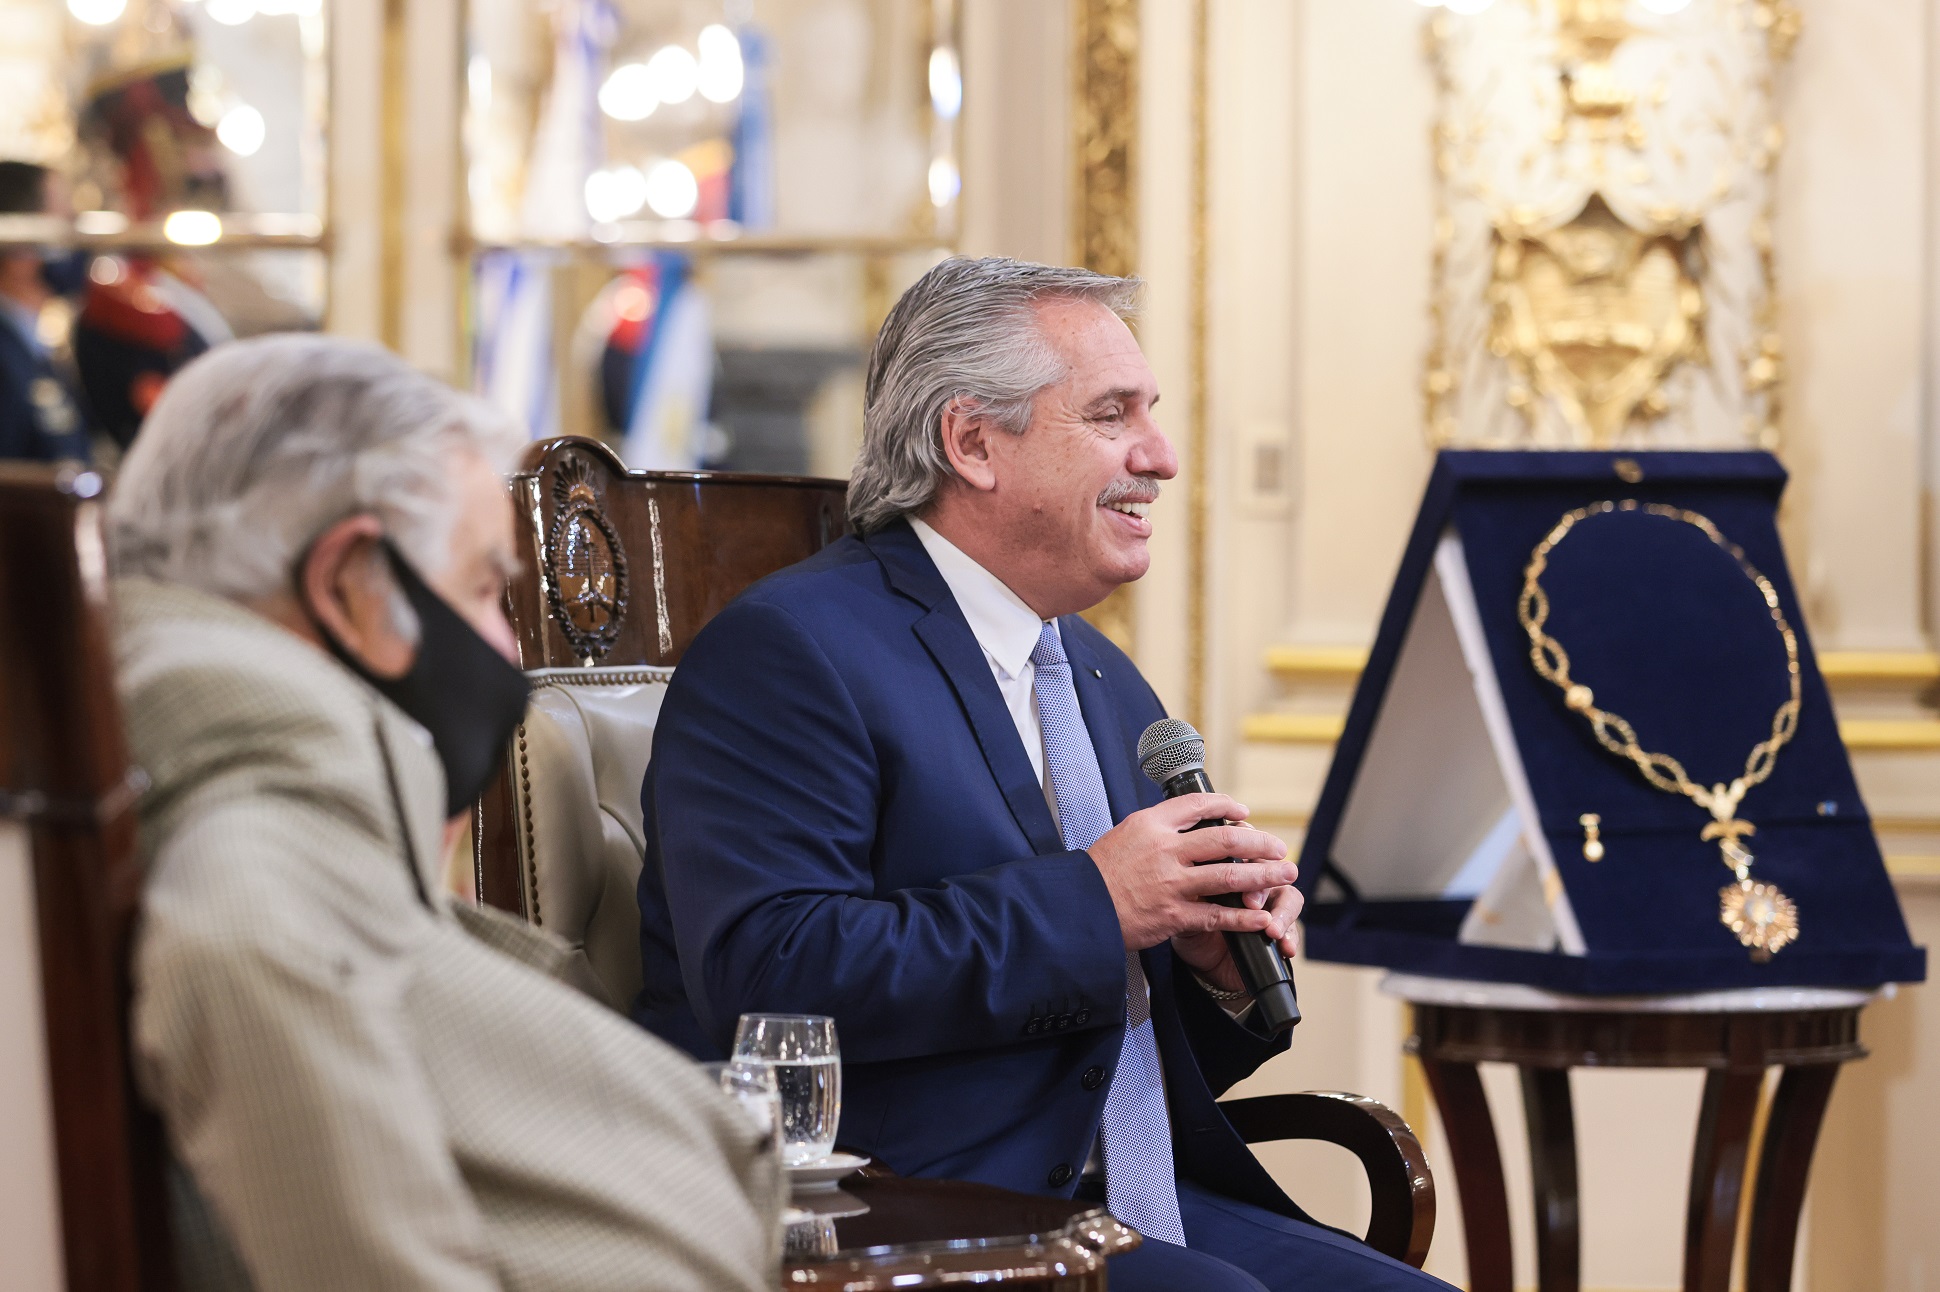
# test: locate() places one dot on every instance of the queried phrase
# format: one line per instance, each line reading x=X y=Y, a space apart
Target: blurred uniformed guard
x=39 y=417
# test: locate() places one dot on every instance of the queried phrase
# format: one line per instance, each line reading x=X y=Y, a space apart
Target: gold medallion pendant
x=1763 y=918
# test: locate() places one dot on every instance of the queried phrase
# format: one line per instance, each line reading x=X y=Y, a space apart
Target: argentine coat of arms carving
x=586 y=579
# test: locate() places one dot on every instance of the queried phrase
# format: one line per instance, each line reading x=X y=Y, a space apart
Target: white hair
x=259 y=446
x=965 y=333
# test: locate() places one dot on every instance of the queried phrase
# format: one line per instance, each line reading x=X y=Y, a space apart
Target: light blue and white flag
x=512 y=354
x=751 y=178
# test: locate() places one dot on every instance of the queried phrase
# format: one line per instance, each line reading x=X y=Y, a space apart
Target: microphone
x=1173 y=755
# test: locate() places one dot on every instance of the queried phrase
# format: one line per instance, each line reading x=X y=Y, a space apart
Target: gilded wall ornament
x=586 y=579
x=1603 y=268
x=1104 y=193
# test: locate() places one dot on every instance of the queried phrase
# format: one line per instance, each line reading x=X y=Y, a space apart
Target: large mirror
x=165 y=160
x=687 y=217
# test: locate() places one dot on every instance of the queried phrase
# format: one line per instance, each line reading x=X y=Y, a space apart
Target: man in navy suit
x=896 y=784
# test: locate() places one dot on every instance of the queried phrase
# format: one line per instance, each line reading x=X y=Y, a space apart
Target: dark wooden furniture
x=624 y=568
x=1734 y=1036
x=890 y=1233
x=64 y=774
x=882 y=1232
x=1401 y=1188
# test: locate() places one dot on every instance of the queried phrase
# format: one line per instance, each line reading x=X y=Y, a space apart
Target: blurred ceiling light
x=944 y=181
x=242 y=130
x=628 y=93
x=192 y=228
x=1667 y=7
x=97 y=13
x=675 y=74
x=100 y=224
x=615 y=194
x=1454 y=6
x=232 y=13
x=478 y=83
x=672 y=190
x=946 y=83
x=720 y=70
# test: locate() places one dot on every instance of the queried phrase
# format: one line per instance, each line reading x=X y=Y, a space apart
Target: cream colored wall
x=1320 y=216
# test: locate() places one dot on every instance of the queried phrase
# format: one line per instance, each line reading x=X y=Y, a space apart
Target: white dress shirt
x=1007 y=629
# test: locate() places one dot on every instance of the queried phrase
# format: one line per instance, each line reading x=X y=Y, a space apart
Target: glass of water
x=752 y=1087
x=808 y=1074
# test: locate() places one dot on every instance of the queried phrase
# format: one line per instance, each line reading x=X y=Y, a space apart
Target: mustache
x=1130 y=489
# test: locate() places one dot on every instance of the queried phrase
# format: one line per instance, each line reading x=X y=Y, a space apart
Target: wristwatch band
x=1219 y=993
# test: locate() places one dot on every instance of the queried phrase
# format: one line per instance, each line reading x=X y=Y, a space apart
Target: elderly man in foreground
x=371 y=1087
x=896 y=784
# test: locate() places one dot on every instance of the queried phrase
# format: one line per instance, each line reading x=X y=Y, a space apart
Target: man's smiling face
x=1075 y=490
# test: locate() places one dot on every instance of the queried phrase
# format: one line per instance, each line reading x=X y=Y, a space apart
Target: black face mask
x=458 y=688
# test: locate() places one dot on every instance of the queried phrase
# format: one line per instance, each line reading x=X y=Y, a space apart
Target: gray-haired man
x=895 y=784
x=372 y=1087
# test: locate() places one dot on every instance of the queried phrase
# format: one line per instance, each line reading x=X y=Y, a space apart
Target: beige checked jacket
x=373 y=1087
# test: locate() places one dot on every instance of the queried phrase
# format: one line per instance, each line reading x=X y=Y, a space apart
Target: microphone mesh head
x=1169 y=747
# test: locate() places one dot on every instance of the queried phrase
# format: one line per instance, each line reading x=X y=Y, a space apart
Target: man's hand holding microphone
x=1171 y=868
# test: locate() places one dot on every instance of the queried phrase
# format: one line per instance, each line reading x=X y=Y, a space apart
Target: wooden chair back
x=84 y=1199
x=620 y=570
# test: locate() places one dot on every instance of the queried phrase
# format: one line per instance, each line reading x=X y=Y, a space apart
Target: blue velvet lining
x=1668 y=631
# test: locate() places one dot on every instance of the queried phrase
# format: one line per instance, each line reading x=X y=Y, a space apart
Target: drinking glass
x=752 y=1087
x=801 y=1050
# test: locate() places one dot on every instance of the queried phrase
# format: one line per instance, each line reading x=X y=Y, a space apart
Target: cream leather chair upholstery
x=577 y=766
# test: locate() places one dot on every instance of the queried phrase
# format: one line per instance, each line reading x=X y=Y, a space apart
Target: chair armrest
x=1398 y=1178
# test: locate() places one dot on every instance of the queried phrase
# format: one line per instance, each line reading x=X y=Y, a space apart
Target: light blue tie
x=1139 y=1186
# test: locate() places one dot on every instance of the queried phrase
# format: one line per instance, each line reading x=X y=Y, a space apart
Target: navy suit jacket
x=840 y=819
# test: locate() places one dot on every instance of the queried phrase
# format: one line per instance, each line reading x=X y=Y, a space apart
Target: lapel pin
x=1098 y=672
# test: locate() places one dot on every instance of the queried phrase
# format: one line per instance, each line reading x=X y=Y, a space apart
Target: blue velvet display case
x=1459 y=785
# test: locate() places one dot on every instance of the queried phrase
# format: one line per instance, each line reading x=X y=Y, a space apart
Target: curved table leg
x=1791 y=1135
x=1718 y=1177
x=1464 y=1109
x=1551 y=1119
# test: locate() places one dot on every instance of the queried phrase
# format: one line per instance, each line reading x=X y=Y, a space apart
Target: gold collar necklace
x=1765 y=919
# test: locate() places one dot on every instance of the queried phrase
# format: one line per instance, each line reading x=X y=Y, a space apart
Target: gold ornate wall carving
x=1603 y=270
x=1104 y=201
x=1104 y=141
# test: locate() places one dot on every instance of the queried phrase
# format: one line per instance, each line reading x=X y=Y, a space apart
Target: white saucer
x=823 y=1172
x=826 y=1202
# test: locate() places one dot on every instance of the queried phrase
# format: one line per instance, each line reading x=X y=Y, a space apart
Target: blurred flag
x=657 y=363
x=512 y=359
x=751 y=180
x=569 y=144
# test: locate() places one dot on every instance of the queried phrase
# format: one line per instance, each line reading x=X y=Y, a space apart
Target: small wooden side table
x=1733 y=1035
x=884 y=1233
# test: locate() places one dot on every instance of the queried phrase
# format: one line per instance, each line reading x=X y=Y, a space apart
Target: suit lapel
x=946 y=635
x=1113 y=745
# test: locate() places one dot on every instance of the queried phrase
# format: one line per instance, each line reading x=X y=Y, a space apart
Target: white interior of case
x=1441 y=807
